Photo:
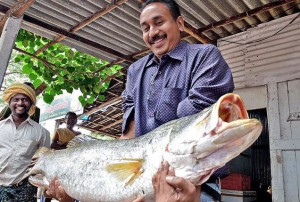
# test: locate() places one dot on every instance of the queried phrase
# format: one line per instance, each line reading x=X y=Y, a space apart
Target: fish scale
x=121 y=170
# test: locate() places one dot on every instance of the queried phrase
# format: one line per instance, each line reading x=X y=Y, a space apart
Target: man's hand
x=56 y=191
x=169 y=188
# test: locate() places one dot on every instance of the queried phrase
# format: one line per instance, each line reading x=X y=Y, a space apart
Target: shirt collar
x=177 y=54
x=29 y=120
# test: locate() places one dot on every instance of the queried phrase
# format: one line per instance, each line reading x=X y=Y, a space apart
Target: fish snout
x=229 y=132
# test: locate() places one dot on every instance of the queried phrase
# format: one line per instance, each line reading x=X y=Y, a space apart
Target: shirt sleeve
x=45 y=139
x=211 y=78
x=5 y=112
x=127 y=102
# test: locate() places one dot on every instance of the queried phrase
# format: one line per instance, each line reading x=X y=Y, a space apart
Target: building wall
x=257 y=58
x=265 y=62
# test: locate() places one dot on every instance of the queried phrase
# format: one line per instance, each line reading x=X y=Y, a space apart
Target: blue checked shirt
x=188 y=79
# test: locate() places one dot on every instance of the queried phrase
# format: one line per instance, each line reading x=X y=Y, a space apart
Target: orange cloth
x=65 y=135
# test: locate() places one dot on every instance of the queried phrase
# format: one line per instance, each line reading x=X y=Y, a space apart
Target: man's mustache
x=157 y=37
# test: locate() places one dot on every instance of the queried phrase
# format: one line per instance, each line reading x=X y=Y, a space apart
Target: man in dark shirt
x=177 y=79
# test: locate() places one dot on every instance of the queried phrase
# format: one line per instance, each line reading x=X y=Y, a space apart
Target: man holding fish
x=176 y=80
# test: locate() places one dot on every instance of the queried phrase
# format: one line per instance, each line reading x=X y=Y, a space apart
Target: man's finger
x=178 y=182
x=156 y=178
x=140 y=199
x=51 y=186
x=165 y=168
x=171 y=172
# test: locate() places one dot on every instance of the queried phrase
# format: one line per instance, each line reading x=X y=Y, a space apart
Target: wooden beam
x=40 y=88
x=244 y=15
x=16 y=11
x=7 y=42
x=97 y=15
x=105 y=104
x=102 y=133
x=84 y=23
x=112 y=124
x=196 y=34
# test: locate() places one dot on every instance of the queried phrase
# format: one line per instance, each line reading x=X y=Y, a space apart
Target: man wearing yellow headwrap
x=5 y=112
x=20 y=138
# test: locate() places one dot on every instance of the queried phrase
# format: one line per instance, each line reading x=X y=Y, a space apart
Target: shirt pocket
x=27 y=148
x=167 y=107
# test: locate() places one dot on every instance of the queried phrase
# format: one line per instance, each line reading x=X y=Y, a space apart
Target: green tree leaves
x=63 y=68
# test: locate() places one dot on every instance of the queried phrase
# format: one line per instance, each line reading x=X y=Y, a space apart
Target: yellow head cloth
x=17 y=88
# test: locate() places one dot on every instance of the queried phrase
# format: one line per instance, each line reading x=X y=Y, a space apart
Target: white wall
x=274 y=59
x=266 y=71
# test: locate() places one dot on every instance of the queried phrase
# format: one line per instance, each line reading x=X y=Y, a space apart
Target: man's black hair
x=30 y=85
x=171 y=4
x=71 y=114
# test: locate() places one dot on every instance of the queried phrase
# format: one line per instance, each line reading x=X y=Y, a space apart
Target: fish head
x=204 y=142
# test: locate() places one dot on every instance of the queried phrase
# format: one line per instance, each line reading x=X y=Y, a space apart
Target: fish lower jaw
x=233 y=131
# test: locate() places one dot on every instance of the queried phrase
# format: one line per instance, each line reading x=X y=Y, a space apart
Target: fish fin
x=79 y=139
x=127 y=170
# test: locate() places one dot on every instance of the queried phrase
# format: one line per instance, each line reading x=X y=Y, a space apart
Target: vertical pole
x=7 y=41
x=278 y=192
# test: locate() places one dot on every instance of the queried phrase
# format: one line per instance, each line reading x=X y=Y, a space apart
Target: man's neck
x=19 y=119
x=70 y=128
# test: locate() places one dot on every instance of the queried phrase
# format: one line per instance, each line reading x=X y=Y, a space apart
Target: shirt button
x=151 y=114
x=159 y=72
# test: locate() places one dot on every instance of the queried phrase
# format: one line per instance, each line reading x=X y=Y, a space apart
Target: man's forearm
x=130 y=131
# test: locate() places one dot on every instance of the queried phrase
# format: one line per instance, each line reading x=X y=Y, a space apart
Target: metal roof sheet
x=118 y=28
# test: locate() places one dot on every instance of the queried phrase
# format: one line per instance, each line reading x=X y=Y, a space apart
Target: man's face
x=161 y=32
x=20 y=104
x=71 y=120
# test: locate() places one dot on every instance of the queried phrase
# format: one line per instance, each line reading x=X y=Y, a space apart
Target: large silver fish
x=121 y=170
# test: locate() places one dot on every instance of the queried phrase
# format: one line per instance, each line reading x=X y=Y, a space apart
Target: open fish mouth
x=233 y=122
x=216 y=136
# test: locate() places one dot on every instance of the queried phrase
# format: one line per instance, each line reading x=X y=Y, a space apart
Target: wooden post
x=7 y=41
x=275 y=154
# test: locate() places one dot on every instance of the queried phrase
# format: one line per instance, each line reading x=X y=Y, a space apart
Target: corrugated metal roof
x=119 y=30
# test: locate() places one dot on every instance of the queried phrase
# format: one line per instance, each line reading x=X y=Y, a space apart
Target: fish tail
x=37 y=155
